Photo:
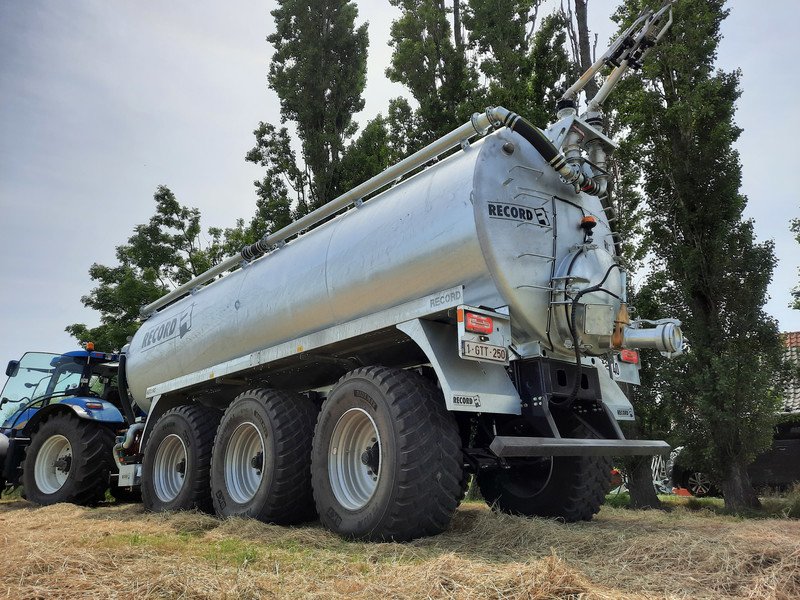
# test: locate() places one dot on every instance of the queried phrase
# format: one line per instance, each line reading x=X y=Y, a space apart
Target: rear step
x=511 y=446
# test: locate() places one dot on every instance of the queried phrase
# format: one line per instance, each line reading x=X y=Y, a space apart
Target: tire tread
x=93 y=467
x=428 y=487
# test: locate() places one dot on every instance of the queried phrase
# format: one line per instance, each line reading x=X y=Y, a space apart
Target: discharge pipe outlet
x=666 y=337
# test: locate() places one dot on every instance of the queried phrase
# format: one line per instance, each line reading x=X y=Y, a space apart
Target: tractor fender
x=88 y=409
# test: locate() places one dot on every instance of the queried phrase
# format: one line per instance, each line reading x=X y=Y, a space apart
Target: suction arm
x=627 y=51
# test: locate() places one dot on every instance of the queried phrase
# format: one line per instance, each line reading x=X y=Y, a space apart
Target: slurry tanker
x=462 y=313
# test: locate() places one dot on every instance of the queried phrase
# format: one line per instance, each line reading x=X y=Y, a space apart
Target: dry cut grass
x=118 y=551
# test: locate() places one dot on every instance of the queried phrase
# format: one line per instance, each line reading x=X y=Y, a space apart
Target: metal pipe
x=131 y=435
x=608 y=85
x=571 y=173
x=584 y=79
x=665 y=337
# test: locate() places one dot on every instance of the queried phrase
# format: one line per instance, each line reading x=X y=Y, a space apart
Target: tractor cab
x=40 y=379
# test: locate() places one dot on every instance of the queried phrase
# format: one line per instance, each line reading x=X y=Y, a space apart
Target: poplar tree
x=708 y=269
x=319 y=72
x=427 y=61
x=494 y=53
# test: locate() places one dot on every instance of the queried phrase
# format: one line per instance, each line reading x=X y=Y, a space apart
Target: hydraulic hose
x=537 y=138
x=124 y=398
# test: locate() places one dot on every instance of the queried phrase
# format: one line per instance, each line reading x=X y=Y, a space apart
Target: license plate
x=484 y=352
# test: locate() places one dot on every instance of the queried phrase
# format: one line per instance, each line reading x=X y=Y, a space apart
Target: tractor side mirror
x=12 y=368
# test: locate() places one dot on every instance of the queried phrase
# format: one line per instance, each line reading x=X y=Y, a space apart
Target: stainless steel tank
x=494 y=218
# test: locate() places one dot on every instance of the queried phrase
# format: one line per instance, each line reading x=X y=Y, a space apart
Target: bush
x=793 y=499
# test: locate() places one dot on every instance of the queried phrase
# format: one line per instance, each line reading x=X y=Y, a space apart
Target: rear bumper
x=518 y=447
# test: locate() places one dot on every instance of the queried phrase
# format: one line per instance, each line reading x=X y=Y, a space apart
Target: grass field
x=118 y=551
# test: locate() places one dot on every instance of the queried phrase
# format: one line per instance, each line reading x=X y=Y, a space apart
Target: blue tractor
x=60 y=414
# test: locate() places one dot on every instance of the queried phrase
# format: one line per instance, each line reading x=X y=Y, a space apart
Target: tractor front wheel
x=68 y=460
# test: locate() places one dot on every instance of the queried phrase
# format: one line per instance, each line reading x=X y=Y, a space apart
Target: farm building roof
x=792 y=394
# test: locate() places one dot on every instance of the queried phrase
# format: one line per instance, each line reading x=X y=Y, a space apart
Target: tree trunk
x=640 y=483
x=457 y=27
x=737 y=489
x=585 y=44
x=638 y=468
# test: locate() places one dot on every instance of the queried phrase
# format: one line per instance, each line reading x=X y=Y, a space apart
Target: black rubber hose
x=124 y=398
x=254 y=250
x=536 y=138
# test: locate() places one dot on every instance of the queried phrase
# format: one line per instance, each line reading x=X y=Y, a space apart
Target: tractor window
x=67 y=380
x=30 y=381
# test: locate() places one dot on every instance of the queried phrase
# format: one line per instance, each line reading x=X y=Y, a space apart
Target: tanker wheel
x=571 y=488
x=261 y=463
x=387 y=461
x=68 y=460
x=177 y=460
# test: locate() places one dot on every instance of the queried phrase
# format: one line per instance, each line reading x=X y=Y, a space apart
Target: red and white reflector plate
x=478 y=323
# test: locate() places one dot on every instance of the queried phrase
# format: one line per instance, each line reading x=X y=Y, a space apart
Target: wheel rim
x=169 y=468
x=53 y=463
x=354 y=461
x=244 y=462
x=699 y=484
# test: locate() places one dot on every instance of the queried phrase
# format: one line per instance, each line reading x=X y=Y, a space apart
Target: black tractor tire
x=416 y=461
x=194 y=426
x=274 y=484
x=570 y=488
x=87 y=464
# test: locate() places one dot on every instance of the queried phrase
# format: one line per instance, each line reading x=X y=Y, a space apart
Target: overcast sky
x=101 y=101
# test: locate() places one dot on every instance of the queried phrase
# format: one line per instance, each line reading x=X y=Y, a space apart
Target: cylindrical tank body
x=494 y=218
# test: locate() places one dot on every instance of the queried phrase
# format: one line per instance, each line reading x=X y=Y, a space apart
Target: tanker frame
x=461 y=313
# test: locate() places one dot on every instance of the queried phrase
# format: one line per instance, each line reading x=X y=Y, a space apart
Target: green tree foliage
x=319 y=73
x=283 y=185
x=368 y=155
x=506 y=61
x=383 y=142
x=550 y=69
x=425 y=59
x=168 y=250
x=708 y=268
x=520 y=63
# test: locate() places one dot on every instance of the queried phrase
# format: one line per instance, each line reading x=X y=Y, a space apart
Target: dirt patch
x=118 y=551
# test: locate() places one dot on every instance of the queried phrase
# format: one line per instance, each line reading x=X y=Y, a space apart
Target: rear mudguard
x=89 y=409
x=17 y=431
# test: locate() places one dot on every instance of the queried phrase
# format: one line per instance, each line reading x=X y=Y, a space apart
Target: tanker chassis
x=462 y=313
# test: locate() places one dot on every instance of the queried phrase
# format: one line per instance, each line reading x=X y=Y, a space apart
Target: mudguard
x=89 y=409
